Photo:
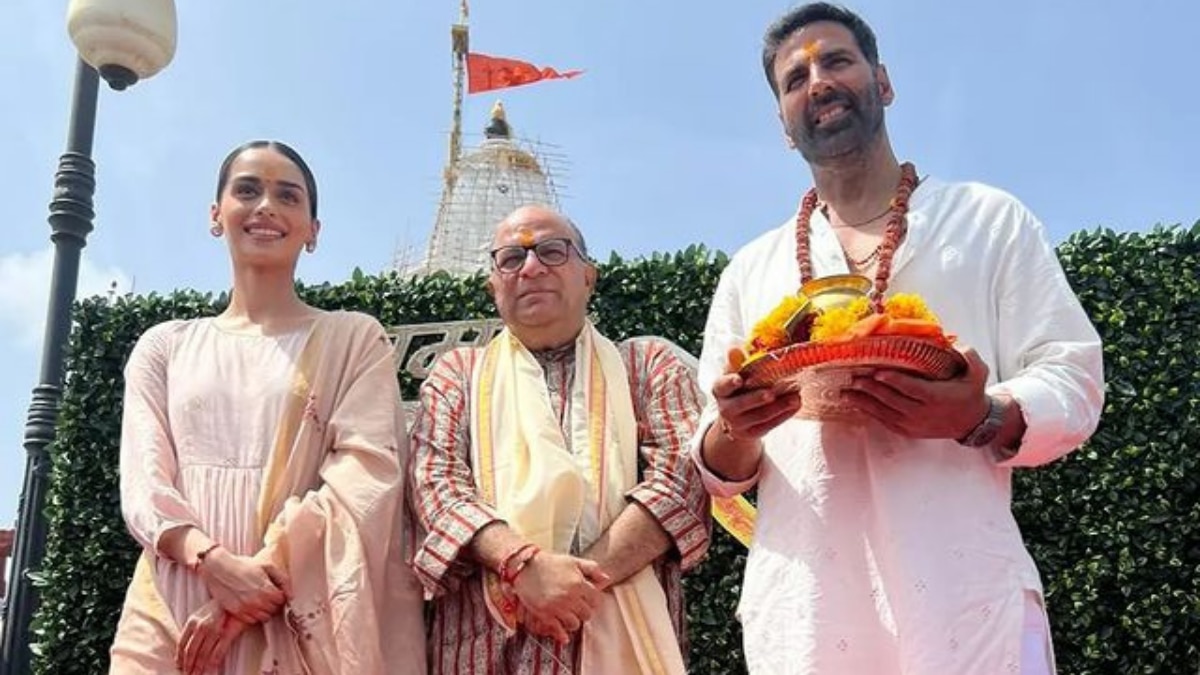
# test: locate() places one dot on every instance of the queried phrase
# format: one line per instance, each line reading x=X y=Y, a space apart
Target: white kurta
x=882 y=555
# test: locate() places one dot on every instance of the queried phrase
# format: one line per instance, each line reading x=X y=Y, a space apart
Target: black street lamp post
x=126 y=40
x=70 y=222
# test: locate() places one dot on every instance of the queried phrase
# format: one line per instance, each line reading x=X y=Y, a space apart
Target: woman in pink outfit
x=261 y=465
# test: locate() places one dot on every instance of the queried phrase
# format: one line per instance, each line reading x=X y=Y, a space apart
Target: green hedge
x=1115 y=527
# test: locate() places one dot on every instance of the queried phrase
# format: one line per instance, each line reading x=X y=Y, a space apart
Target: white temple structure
x=482 y=185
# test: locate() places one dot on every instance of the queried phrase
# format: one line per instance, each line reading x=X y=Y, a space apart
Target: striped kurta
x=463 y=638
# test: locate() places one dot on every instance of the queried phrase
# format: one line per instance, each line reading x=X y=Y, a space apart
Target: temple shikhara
x=484 y=183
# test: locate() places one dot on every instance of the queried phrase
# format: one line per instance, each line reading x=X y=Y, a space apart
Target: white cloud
x=25 y=291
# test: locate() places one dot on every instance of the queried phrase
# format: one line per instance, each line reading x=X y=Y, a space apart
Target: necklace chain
x=877 y=216
x=867 y=260
x=896 y=228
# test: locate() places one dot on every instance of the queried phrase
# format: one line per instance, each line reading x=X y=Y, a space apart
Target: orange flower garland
x=903 y=314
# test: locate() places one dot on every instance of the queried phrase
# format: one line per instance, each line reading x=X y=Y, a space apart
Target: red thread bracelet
x=504 y=562
x=515 y=562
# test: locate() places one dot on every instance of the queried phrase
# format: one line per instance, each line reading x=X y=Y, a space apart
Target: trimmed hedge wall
x=1115 y=527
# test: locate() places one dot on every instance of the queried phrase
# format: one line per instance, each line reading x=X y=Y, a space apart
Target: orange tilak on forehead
x=811 y=50
x=525 y=237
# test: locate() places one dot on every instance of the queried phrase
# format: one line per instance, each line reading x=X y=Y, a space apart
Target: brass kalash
x=836 y=291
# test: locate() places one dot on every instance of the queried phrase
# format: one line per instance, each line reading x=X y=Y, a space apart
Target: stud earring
x=310 y=246
x=216 y=230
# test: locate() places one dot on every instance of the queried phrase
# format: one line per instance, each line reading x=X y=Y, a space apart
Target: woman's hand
x=252 y=589
x=206 y=639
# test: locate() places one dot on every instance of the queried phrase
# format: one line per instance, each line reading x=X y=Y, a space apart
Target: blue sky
x=1086 y=111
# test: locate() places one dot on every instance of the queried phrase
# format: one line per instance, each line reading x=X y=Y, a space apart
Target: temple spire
x=498 y=126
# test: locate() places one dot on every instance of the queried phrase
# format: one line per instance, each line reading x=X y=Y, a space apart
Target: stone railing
x=418 y=345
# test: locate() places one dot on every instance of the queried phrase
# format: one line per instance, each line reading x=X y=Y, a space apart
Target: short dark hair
x=310 y=182
x=804 y=15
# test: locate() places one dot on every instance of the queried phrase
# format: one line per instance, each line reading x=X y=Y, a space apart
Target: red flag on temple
x=485 y=73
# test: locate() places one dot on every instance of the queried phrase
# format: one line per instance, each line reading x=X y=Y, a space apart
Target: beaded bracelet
x=201 y=555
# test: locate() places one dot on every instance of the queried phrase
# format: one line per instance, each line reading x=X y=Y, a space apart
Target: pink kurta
x=289 y=446
x=195 y=443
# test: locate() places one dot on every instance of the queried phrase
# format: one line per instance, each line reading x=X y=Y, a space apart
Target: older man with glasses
x=551 y=479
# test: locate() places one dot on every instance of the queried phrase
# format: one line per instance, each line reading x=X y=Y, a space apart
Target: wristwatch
x=985 y=432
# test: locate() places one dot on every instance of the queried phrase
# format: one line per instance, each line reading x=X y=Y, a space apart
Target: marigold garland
x=903 y=314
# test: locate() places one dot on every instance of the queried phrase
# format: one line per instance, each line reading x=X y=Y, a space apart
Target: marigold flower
x=903 y=314
x=771 y=331
x=832 y=324
x=908 y=306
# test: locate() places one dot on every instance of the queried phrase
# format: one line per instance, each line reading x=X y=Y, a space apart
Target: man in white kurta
x=879 y=554
x=882 y=552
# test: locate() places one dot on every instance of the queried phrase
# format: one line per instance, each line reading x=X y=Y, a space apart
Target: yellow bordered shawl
x=524 y=469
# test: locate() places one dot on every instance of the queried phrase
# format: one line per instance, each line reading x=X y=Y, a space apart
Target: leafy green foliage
x=1115 y=527
x=666 y=295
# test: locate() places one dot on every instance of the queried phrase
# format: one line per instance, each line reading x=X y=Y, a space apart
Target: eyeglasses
x=550 y=252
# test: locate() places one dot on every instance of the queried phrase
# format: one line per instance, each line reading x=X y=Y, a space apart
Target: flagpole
x=460 y=45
